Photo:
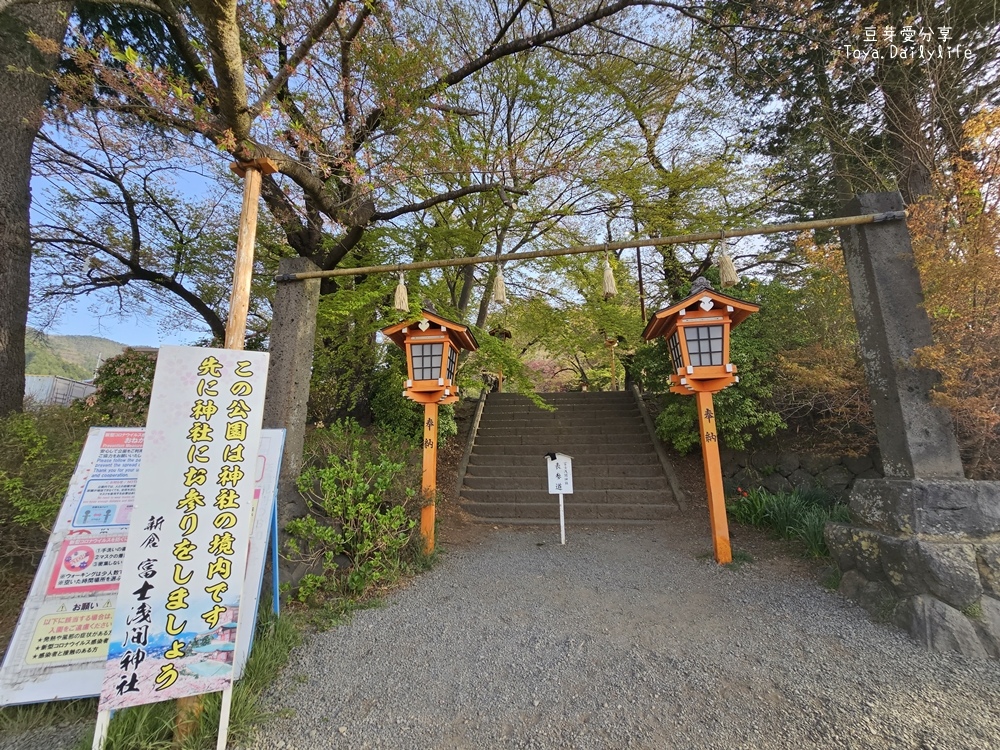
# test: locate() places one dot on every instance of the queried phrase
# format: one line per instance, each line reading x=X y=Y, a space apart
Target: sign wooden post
x=189 y=709
x=429 y=480
x=560 y=473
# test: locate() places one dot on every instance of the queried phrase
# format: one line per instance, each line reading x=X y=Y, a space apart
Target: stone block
x=857 y=465
x=938 y=627
x=900 y=565
x=801 y=479
x=988 y=626
x=988 y=562
x=816 y=464
x=949 y=572
x=787 y=463
x=735 y=459
x=836 y=479
x=840 y=541
x=851 y=585
x=764 y=461
x=776 y=483
x=866 y=547
x=940 y=507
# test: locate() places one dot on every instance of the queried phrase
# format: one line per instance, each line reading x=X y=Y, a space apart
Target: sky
x=132 y=331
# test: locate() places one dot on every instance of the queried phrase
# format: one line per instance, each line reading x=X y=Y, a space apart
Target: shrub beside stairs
x=617 y=475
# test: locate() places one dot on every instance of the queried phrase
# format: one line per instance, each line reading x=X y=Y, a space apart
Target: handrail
x=463 y=467
x=668 y=468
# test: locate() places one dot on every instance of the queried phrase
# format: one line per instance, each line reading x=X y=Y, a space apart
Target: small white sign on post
x=560 y=468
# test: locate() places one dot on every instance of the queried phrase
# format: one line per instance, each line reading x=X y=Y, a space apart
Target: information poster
x=175 y=626
x=60 y=646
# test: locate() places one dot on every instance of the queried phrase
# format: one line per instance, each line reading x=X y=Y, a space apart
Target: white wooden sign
x=560 y=473
x=560 y=483
x=174 y=628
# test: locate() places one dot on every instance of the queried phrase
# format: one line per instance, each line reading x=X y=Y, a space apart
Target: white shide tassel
x=727 y=270
x=499 y=288
x=610 y=289
x=402 y=300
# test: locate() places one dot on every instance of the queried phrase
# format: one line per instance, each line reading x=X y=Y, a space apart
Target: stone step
x=593 y=497
x=565 y=408
x=567 y=439
x=522 y=482
x=580 y=459
x=538 y=468
x=564 y=395
x=581 y=451
x=558 y=427
x=585 y=512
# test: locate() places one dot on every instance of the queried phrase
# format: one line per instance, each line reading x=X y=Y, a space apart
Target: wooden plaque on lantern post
x=432 y=344
x=697 y=333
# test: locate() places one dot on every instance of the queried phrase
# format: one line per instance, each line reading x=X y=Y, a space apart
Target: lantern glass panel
x=704 y=345
x=674 y=344
x=426 y=361
x=452 y=362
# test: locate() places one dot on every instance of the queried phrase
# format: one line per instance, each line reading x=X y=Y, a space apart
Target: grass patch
x=832 y=578
x=800 y=516
x=15 y=719
x=151 y=727
x=974 y=611
x=740 y=558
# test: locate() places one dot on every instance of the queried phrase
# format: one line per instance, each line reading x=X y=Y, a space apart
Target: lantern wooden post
x=432 y=344
x=697 y=333
x=429 y=480
x=713 y=478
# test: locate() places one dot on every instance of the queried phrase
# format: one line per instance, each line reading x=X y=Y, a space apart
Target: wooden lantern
x=432 y=344
x=697 y=333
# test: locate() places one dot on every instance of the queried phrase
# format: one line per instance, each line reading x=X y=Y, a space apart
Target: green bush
x=677 y=424
x=38 y=453
x=124 y=387
x=359 y=526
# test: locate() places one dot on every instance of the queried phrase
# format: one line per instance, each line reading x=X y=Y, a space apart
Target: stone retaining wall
x=784 y=471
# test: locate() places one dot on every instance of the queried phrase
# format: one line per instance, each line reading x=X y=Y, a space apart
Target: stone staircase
x=617 y=475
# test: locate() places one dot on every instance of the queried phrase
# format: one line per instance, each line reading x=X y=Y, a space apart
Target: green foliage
x=124 y=386
x=809 y=531
x=677 y=423
x=743 y=412
x=359 y=526
x=41 y=359
x=750 y=507
x=38 y=452
x=801 y=515
x=783 y=512
x=346 y=353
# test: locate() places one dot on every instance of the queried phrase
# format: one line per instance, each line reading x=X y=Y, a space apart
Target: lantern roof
x=461 y=334
x=660 y=321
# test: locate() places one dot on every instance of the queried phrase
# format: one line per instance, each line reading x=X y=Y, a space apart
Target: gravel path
x=623 y=638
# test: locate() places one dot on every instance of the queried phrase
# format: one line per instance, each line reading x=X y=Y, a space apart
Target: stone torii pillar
x=923 y=545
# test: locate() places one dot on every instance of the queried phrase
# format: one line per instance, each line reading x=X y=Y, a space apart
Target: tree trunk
x=23 y=88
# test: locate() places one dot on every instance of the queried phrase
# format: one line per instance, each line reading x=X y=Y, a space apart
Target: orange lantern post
x=697 y=333
x=432 y=344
